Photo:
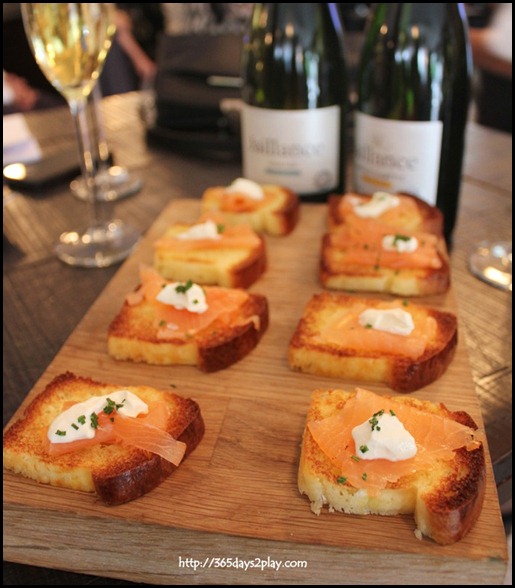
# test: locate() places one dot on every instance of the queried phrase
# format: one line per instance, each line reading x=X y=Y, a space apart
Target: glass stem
x=97 y=127
x=98 y=211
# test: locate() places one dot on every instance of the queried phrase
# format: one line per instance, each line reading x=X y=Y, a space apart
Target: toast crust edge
x=119 y=488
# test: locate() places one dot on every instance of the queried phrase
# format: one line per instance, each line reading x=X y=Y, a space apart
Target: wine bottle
x=414 y=89
x=295 y=99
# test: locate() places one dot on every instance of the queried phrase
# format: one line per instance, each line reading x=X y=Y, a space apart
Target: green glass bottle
x=295 y=98
x=414 y=90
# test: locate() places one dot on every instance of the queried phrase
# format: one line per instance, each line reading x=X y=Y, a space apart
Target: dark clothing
x=147 y=24
x=494 y=101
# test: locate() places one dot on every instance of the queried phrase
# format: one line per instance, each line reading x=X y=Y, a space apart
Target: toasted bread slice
x=276 y=213
x=147 y=330
x=334 y=339
x=446 y=484
x=117 y=472
x=412 y=213
x=368 y=256
x=232 y=257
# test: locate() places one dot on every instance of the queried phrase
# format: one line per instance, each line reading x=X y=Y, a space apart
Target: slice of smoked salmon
x=103 y=434
x=150 y=438
x=240 y=202
x=145 y=432
x=346 y=331
x=231 y=237
x=406 y=214
x=361 y=243
x=222 y=303
x=436 y=438
x=173 y=323
x=236 y=201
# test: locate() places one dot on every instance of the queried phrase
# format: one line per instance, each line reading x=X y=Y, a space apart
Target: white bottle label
x=397 y=156
x=299 y=149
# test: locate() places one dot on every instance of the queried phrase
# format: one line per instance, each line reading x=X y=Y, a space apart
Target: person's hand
x=145 y=68
x=22 y=96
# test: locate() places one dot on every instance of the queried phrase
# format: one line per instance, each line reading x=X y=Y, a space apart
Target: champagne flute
x=70 y=42
x=115 y=181
x=491 y=261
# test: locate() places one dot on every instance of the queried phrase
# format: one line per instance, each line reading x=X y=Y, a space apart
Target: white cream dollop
x=248 y=187
x=74 y=424
x=400 y=243
x=392 y=320
x=383 y=437
x=183 y=295
x=377 y=205
x=205 y=230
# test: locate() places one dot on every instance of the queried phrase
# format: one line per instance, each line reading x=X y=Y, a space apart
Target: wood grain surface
x=236 y=496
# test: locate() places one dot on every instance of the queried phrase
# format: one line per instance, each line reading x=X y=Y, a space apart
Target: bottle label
x=299 y=149
x=397 y=156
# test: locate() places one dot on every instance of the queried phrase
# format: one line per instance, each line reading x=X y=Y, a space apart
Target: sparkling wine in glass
x=491 y=261
x=114 y=181
x=70 y=42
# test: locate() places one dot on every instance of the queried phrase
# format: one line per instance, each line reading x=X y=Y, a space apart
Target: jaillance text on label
x=367 y=154
x=271 y=146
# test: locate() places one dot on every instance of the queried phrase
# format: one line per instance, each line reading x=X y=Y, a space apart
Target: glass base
x=491 y=261
x=101 y=246
x=115 y=183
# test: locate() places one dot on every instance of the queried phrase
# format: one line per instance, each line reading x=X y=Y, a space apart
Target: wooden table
x=44 y=300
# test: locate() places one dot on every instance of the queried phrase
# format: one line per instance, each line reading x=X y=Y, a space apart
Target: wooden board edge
x=177 y=556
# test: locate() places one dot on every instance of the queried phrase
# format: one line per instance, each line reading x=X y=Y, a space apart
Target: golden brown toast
x=446 y=486
x=276 y=214
x=331 y=341
x=234 y=257
x=145 y=330
x=117 y=473
x=369 y=256
x=413 y=214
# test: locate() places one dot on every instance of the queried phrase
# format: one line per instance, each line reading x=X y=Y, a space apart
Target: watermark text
x=256 y=563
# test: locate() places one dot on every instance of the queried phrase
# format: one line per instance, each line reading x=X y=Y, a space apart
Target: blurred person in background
x=131 y=63
x=491 y=40
x=200 y=17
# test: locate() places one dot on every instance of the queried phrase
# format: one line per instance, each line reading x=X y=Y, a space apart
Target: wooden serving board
x=236 y=496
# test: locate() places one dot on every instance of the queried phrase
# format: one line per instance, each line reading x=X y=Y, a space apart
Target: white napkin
x=20 y=146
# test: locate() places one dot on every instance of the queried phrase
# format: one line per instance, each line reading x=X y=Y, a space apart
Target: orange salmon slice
x=232 y=237
x=145 y=432
x=346 y=331
x=361 y=243
x=436 y=438
x=173 y=323
x=237 y=201
x=403 y=215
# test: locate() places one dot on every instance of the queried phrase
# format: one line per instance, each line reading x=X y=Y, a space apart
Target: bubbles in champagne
x=70 y=42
